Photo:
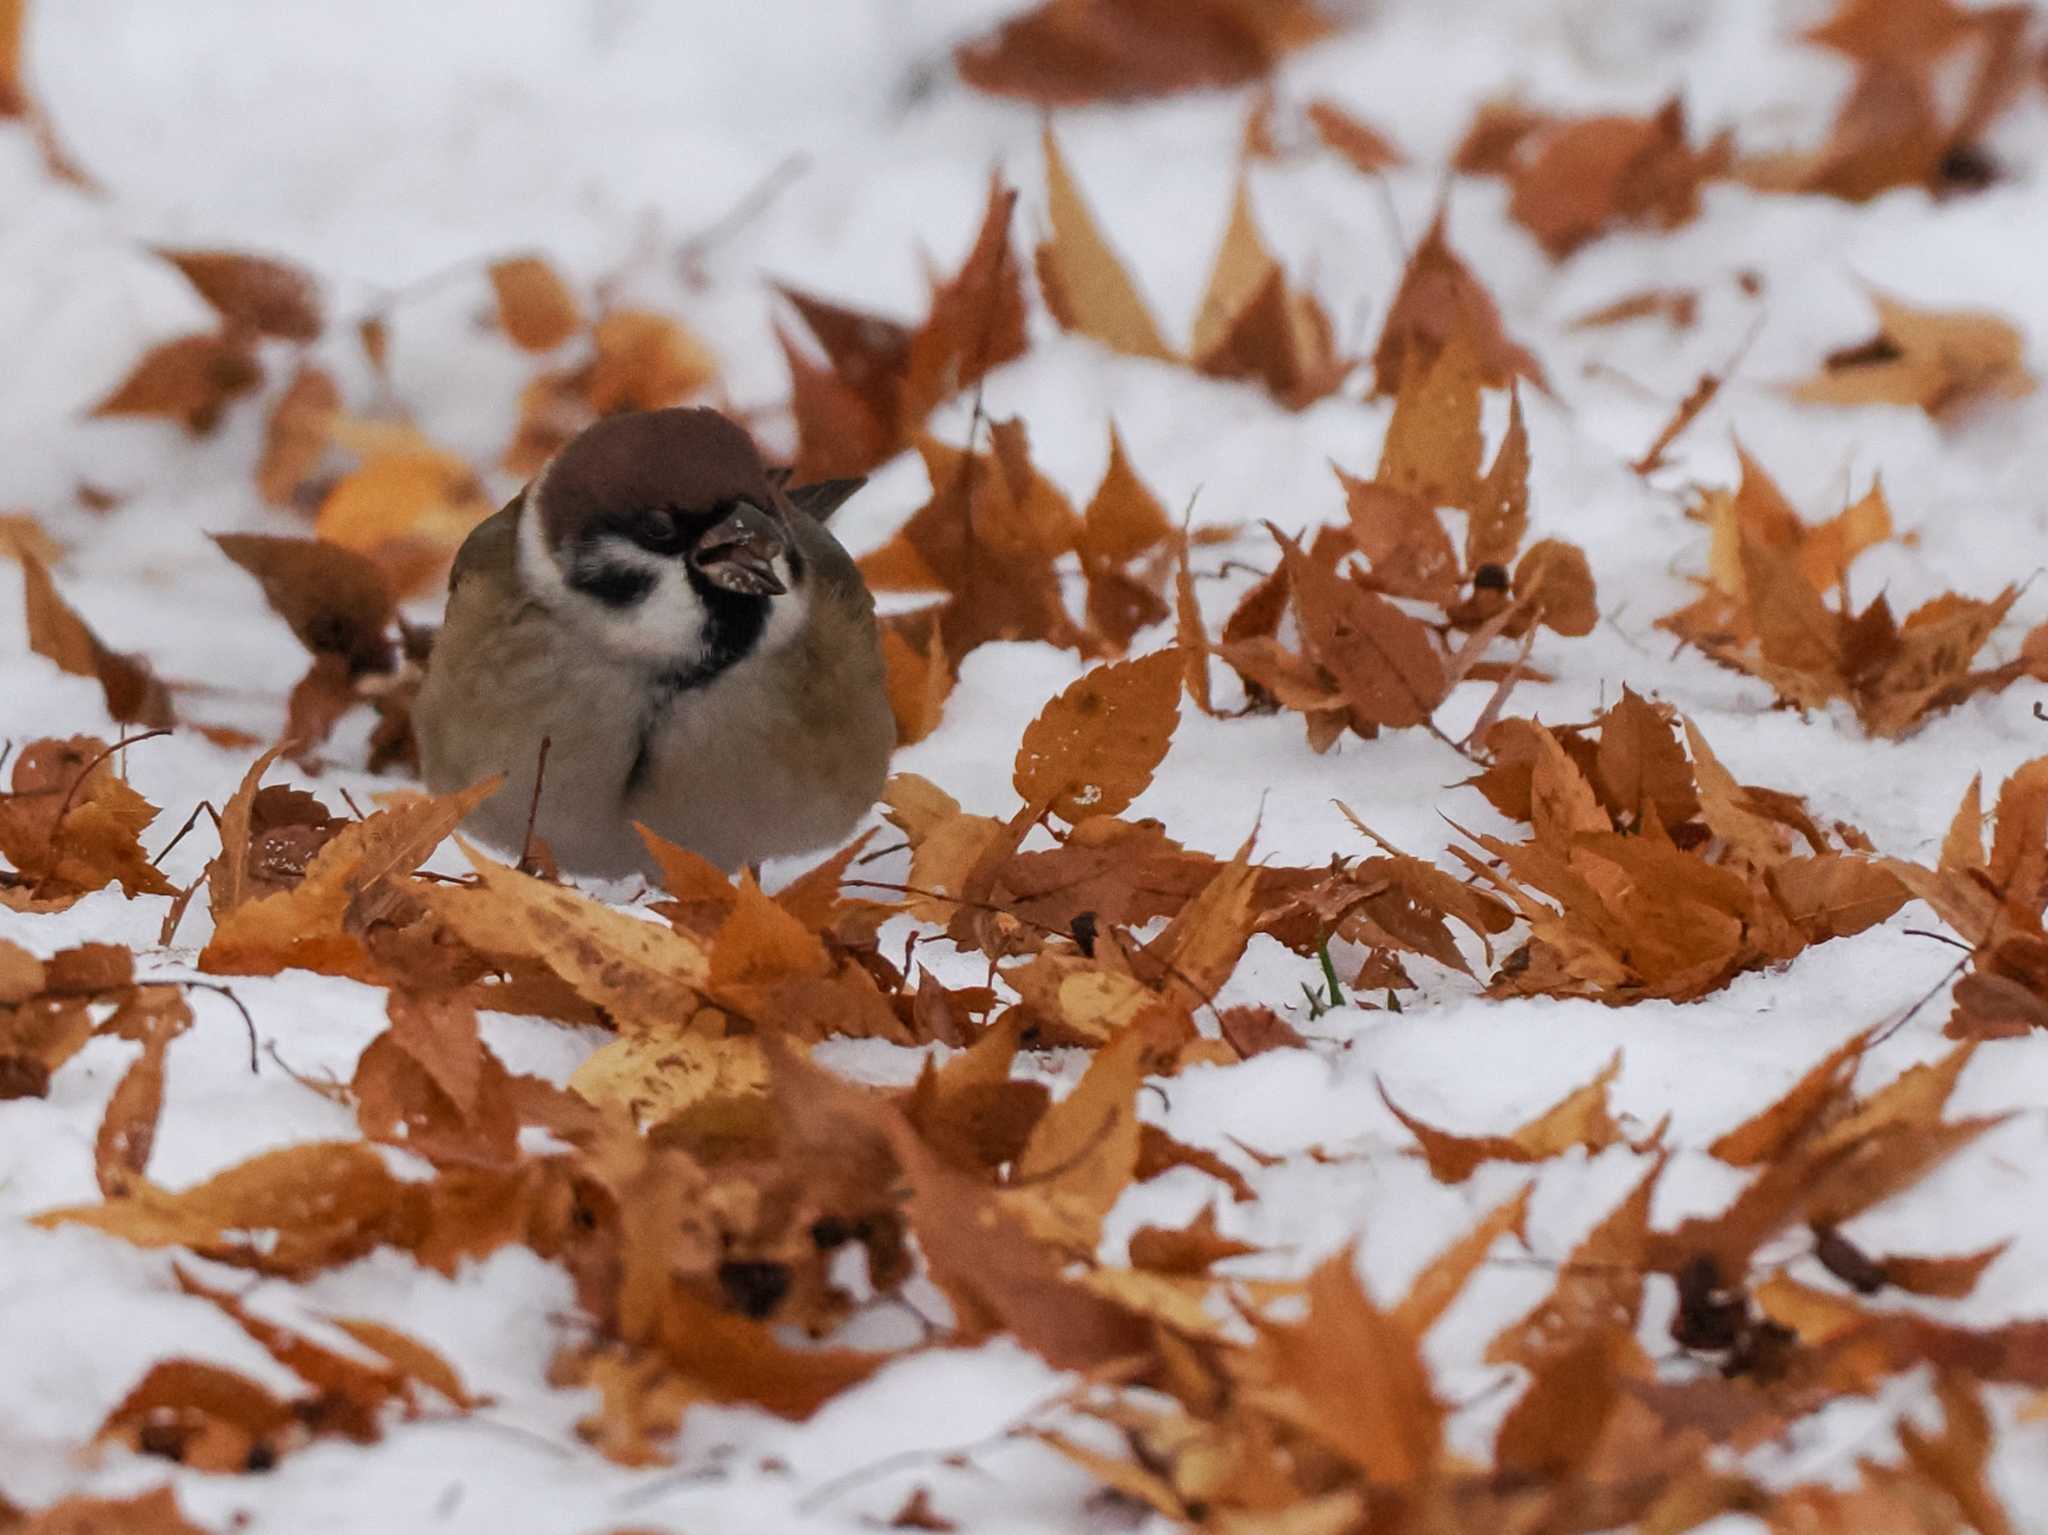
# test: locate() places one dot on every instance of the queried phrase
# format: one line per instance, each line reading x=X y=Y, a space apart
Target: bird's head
x=665 y=537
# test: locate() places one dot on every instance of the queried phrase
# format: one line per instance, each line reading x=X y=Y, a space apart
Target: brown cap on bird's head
x=690 y=459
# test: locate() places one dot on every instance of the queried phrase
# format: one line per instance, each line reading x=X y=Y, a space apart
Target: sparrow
x=676 y=623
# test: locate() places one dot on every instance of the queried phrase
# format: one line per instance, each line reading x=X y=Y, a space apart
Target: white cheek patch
x=667 y=625
x=787 y=613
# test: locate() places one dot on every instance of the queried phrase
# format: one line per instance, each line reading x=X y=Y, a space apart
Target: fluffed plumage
x=700 y=654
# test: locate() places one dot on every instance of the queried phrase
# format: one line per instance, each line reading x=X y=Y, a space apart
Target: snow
x=382 y=143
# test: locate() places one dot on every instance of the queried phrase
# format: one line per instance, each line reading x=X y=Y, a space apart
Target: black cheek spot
x=616 y=586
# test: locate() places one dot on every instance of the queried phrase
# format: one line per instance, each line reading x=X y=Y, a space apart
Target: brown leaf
x=147 y=1513
x=203 y=1416
x=429 y=1084
x=72 y=826
x=1677 y=307
x=349 y=1393
x=1383 y=662
x=1599 y=1287
x=1557 y=583
x=295 y=437
x=1440 y=298
x=1094 y=748
x=1124 y=520
x=535 y=307
x=997 y=1277
x=1939 y=360
x=353 y=884
x=21 y=534
x=410 y=1358
x=1573 y=179
x=977 y=318
x=1958 y=1462
x=1190 y=1250
x=14 y=100
x=1703 y=394
x=1363 y=145
x=918 y=676
x=1930 y=80
x=253 y=293
x=284 y=1212
x=917 y=1513
x=645 y=360
x=1552 y=1431
x=229 y=875
x=1083 y=1152
x=1433 y=446
x=1352 y=1376
x=639 y=972
x=128 y=1128
x=1764 y=1136
x=21 y=974
x=1085 y=285
x=134 y=694
x=1070 y=52
x=1579 y=1119
x=1444 y=1278
x=334 y=599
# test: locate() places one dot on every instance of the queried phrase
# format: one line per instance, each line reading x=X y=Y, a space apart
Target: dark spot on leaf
x=754 y=1288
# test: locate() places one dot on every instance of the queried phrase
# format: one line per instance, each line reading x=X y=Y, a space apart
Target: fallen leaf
x=645 y=360
x=147 y=1513
x=190 y=380
x=133 y=693
x=1352 y=1376
x=1579 y=1119
x=296 y=435
x=262 y=294
x=1070 y=52
x=1572 y=179
x=334 y=599
x=535 y=307
x=1439 y=298
x=1094 y=748
x=1363 y=145
x=1939 y=360
x=285 y=1212
x=1085 y=285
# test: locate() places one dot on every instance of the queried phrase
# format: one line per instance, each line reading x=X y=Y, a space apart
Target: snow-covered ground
x=380 y=142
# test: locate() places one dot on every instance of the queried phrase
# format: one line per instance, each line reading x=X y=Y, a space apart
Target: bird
x=696 y=650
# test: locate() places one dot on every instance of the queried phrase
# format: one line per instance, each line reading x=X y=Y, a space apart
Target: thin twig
x=510 y=1430
x=191 y=821
x=752 y=204
x=540 y=777
x=1954 y=943
x=907 y=1460
x=249 y=1023
x=1932 y=992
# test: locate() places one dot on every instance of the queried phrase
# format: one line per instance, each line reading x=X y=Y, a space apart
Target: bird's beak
x=738 y=554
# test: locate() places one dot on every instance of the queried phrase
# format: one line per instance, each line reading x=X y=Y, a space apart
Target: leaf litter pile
x=1457 y=940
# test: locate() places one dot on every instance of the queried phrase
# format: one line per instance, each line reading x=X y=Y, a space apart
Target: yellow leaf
x=1243 y=266
x=1085 y=285
x=657 y=1075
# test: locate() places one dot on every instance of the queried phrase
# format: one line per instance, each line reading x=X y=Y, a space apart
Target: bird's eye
x=659 y=529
